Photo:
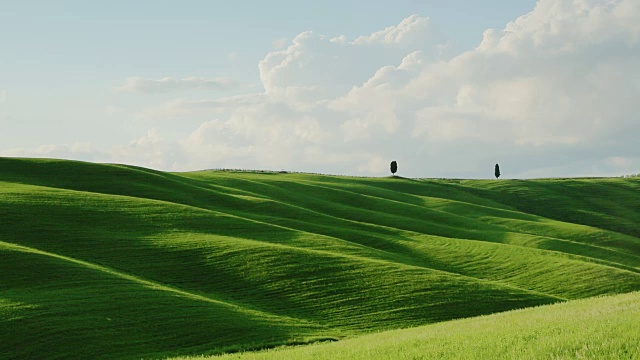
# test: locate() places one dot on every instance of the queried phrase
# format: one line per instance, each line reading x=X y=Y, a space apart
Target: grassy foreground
x=115 y=261
x=596 y=328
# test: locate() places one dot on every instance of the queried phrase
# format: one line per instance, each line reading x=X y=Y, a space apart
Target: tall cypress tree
x=497 y=171
x=394 y=167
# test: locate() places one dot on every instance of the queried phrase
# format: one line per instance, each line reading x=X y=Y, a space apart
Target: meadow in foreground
x=116 y=261
x=595 y=328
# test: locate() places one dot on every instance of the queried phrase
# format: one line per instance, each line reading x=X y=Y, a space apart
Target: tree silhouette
x=394 y=167
x=497 y=171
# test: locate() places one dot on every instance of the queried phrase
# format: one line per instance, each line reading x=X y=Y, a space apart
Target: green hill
x=116 y=261
x=595 y=328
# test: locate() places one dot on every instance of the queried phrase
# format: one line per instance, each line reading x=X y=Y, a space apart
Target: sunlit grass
x=596 y=328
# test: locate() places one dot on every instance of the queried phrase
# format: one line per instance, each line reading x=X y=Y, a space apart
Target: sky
x=547 y=88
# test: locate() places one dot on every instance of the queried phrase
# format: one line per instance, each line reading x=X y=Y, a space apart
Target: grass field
x=595 y=328
x=116 y=261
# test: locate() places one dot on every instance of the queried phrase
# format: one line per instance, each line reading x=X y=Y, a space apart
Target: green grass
x=595 y=328
x=115 y=261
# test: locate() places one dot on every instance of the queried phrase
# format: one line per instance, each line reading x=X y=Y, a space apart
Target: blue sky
x=207 y=84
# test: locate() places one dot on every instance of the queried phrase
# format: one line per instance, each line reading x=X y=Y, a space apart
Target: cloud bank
x=553 y=93
x=166 y=84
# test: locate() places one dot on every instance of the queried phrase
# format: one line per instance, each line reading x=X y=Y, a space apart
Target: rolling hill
x=114 y=261
x=594 y=328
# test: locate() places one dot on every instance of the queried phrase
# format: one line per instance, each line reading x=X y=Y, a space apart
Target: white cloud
x=177 y=108
x=318 y=67
x=412 y=31
x=138 y=84
x=150 y=150
x=556 y=75
x=280 y=43
x=66 y=151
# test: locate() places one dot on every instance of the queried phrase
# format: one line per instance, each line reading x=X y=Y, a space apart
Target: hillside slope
x=118 y=261
x=595 y=328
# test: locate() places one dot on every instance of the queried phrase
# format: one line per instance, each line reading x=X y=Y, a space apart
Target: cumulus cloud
x=79 y=150
x=166 y=84
x=553 y=93
x=177 y=108
x=413 y=31
x=555 y=75
x=318 y=67
x=149 y=150
x=280 y=43
x=152 y=150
